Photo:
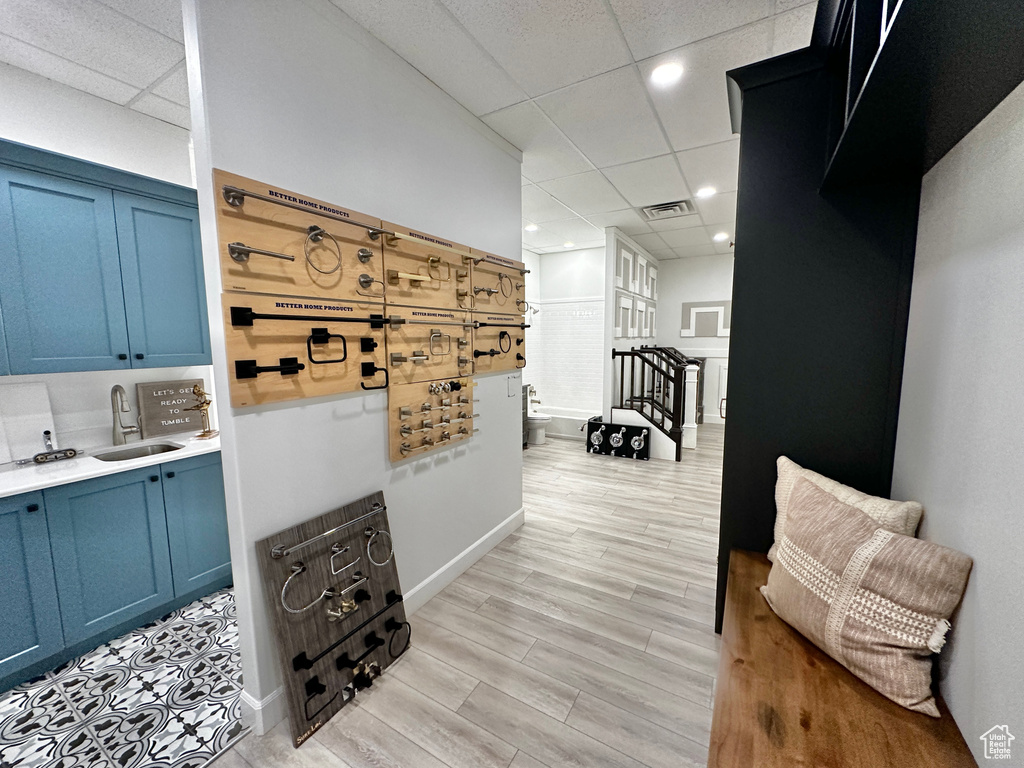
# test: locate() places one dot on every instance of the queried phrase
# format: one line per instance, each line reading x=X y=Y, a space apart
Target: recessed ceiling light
x=530 y=227
x=721 y=237
x=706 y=192
x=568 y=245
x=667 y=74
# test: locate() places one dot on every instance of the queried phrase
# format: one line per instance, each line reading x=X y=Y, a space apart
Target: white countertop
x=16 y=479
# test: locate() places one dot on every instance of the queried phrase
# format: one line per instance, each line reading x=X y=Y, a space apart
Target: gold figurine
x=203 y=403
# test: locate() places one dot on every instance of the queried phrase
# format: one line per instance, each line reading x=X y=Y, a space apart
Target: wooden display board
x=499 y=284
x=429 y=416
x=331 y=586
x=315 y=269
x=434 y=344
x=422 y=270
x=313 y=341
x=503 y=335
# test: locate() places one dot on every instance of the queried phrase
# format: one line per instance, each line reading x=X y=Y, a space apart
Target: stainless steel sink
x=137 y=452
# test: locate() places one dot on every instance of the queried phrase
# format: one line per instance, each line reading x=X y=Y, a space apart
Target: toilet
x=536 y=423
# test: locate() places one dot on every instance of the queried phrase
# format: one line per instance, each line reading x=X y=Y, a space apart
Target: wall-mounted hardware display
x=283 y=348
x=498 y=284
x=428 y=344
x=422 y=270
x=275 y=241
x=331 y=585
x=425 y=417
x=618 y=439
x=499 y=342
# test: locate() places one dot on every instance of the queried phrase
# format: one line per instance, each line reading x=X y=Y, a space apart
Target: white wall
x=960 y=439
x=55 y=117
x=702 y=278
x=299 y=96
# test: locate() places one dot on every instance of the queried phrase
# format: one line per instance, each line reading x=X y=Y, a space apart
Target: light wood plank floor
x=583 y=639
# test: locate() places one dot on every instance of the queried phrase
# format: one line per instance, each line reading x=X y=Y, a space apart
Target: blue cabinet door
x=30 y=629
x=164 y=288
x=110 y=554
x=61 y=287
x=5 y=368
x=197 y=524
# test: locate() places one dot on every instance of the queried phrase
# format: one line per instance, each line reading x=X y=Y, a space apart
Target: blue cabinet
x=5 y=367
x=164 y=289
x=61 y=290
x=197 y=525
x=31 y=627
x=109 y=541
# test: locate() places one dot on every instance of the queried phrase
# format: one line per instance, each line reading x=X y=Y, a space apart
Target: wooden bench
x=782 y=702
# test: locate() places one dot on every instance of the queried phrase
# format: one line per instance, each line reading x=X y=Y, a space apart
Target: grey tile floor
x=583 y=639
x=163 y=696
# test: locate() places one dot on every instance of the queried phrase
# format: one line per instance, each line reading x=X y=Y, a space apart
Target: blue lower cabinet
x=110 y=555
x=30 y=629
x=197 y=525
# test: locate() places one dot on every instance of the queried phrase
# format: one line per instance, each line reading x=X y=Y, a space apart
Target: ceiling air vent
x=668 y=210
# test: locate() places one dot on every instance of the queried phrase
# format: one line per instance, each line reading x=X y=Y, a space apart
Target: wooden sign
x=163 y=407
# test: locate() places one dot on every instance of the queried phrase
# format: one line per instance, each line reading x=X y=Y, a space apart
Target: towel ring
x=317 y=235
x=296 y=570
x=372 y=534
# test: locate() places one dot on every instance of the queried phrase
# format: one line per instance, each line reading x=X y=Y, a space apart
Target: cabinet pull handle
x=154 y=478
x=170 y=474
x=32 y=508
x=122 y=357
x=139 y=356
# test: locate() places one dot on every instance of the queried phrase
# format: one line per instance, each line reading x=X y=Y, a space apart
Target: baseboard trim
x=261 y=715
x=416 y=597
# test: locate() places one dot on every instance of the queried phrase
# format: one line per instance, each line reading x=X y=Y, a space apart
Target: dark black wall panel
x=821 y=292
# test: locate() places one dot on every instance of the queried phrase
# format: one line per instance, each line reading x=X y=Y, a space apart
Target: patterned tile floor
x=163 y=696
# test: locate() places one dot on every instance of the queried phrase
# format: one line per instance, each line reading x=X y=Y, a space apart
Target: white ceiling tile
x=539 y=206
x=165 y=110
x=656 y=26
x=162 y=15
x=526 y=181
x=426 y=35
x=788 y=5
x=547 y=154
x=720 y=209
x=695 y=111
x=652 y=241
x=716 y=166
x=680 y=222
x=175 y=87
x=689 y=251
x=545 y=45
x=646 y=182
x=629 y=221
x=663 y=253
x=793 y=29
x=608 y=118
x=542 y=238
x=686 y=238
x=575 y=230
x=585 y=193
x=723 y=248
x=94 y=36
x=52 y=67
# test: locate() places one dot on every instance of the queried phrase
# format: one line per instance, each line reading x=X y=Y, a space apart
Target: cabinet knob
x=154 y=478
x=139 y=356
x=170 y=474
x=32 y=508
x=122 y=357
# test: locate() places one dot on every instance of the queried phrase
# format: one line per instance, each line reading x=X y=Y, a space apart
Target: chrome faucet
x=118 y=405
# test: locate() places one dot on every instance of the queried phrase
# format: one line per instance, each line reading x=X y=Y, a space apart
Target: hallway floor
x=583 y=639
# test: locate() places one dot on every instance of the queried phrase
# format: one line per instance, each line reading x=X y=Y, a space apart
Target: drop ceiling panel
x=656 y=26
x=695 y=111
x=716 y=165
x=539 y=206
x=575 y=230
x=608 y=118
x=547 y=154
x=793 y=29
x=652 y=241
x=585 y=193
x=680 y=222
x=788 y=5
x=162 y=109
x=720 y=209
x=690 y=251
x=426 y=35
x=651 y=181
x=629 y=221
x=94 y=36
x=25 y=56
x=542 y=238
x=686 y=238
x=175 y=87
x=162 y=15
x=545 y=45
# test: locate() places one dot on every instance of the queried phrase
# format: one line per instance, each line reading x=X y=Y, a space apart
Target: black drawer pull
x=154 y=478
x=122 y=357
x=170 y=474
x=32 y=508
x=139 y=356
